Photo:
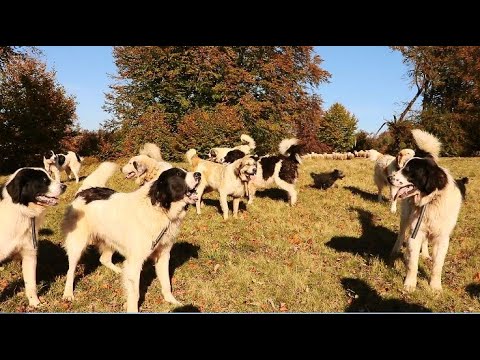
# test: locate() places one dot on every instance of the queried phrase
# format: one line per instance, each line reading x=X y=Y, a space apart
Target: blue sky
x=369 y=81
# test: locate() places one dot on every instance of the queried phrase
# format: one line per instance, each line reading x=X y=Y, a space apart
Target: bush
x=202 y=130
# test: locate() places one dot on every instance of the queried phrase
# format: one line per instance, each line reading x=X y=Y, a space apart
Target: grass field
x=326 y=254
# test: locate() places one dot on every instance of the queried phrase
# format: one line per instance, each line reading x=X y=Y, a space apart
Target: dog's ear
x=436 y=178
x=237 y=168
x=14 y=189
x=135 y=165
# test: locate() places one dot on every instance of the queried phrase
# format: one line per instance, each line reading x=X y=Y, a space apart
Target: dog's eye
x=45 y=180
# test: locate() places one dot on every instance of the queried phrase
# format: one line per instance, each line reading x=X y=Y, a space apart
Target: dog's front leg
x=236 y=203
x=251 y=192
x=414 y=246
x=224 y=205
x=131 y=281
x=161 y=269
x=393 y=192
x=29 y=269
x=198 y=204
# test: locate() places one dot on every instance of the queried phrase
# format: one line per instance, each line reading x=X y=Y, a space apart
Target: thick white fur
x=221 y=152
x=151 y=150
x=149 y=165
x=230 y=179
x=441 y=214
x=427 y=142
x=127 y=223
x=15 y=233
x=71 y=165
x=100 y=176
x=386 y=165
x=285 y=144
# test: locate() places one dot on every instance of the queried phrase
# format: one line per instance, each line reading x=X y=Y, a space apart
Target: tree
x=451 y=93
x=338 y=127
x=268 y=86
x=35 y=112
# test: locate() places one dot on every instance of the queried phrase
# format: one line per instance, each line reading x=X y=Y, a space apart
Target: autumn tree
x=35 y=112
x=450 y=76
x=269 y=87
x=338 y=127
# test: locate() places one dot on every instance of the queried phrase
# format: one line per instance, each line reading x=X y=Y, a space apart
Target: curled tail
x=427 y=143
x=291 y=149
x=248 y=140
x=151 y=150
x=100 y=176
x=192 y=157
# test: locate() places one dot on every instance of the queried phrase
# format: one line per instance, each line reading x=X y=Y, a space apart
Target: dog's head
x=33 y=185
x=338 y=174
x=174 y=185
x=135 y=167
x=403 y=156
x=419 y=177
x=212 y=155
x=246 y=168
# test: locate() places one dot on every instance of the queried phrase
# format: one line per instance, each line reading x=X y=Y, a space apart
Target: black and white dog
x=69 y=162
x=23 y=202
x=422 y=182
x=278 y=170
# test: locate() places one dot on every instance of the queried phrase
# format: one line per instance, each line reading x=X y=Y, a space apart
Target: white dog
x=139 y=225
x=23 y=202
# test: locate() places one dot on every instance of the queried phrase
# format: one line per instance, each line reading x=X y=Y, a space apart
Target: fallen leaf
x=216 y=267
x=477 y=276
x=270 y=301
x=283 y=307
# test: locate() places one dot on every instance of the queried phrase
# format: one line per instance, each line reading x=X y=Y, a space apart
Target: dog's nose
x=197 y=176
x=63 y=187
x=254 y=171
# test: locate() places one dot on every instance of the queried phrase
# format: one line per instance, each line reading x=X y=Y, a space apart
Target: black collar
x=159 y=237
x=34 y=233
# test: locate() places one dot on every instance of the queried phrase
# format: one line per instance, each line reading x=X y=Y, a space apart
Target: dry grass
x=327 y=254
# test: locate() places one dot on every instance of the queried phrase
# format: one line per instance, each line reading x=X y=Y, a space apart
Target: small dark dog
x=326 y=180
x=461 y=185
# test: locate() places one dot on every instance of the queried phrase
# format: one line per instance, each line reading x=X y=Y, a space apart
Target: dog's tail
x=291 y=149
x=427 y=143
x=248 y=140
x=192 y=157
x=100 y=176
x=151 y=150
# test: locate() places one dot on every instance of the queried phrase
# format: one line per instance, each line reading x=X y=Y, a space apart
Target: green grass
x=326 y=254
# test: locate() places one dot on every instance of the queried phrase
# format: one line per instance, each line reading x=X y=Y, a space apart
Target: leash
x=419 y=222
x=34 y=233
x=159 y=237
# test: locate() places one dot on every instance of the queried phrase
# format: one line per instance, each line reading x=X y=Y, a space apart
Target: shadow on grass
x=366 y=299
x=364 y=194
x=51 y=263
x=375 y=240
x=474 y=290
x=186 y=309
x=274 y=194
x=179 y=255
x=216 y=203
x=45 y=232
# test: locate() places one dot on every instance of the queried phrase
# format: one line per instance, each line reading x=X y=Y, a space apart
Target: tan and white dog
x=146 y=166
x=23 y=202
x=422 y=182
x=386 y=165
x=139 y=225
x=231 y=179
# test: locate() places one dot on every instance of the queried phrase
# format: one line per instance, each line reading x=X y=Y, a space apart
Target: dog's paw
x=171 y=299
x=436 y=286
x=409 y=286
x=33 y=302
x=68 y=297
x=425 y=256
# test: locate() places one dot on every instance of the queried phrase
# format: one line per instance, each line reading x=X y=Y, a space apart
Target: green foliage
x=338 y=127
x=35 y=112
x=263 y=86
x=202 y=130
